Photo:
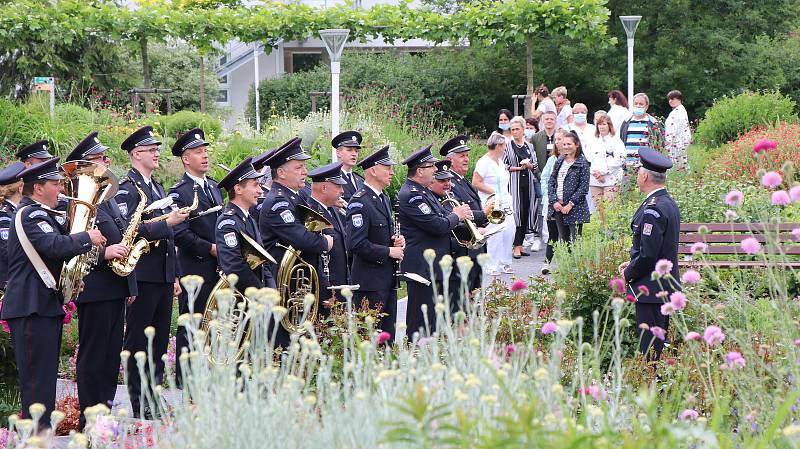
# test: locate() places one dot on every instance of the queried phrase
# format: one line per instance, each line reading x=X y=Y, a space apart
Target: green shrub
x=180 y=122
x=731 y=117
x=8 y=369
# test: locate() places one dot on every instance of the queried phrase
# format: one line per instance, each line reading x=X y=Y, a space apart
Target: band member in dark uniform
x=326 y=189
x=426 y=225
x=243 y=189
x=11 y=195
x=277 y=221
x=656 y=228
x=347 y=145
x=157 y=272
x=197 y=252
x=457 y=152
x=33 y=301
x=35 y=153
x=101 y=305
x=375 y=248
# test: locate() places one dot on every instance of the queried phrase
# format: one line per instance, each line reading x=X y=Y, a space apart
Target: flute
x=397 y=234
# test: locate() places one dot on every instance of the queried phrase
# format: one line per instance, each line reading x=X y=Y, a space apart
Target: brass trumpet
x=497 y=215
x=475 y=239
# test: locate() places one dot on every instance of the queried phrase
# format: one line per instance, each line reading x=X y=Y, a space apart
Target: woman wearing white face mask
x=530 y=129
x=580 y=124
x=503 y=122
x=638 y=131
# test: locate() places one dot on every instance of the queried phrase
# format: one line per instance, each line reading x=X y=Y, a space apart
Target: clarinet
x=397 y=273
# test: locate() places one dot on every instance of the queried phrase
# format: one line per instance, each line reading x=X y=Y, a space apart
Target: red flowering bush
x=740 y=163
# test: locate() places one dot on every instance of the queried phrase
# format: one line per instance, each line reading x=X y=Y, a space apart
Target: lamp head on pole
x=630 y=23
x=334 y=41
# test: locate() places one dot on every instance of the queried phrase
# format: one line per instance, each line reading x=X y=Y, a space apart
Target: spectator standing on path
x=580 y=124
x=491 y=176
x=523 y=166
x=606 y=154
x=569 y=185
x=543 y=141
x=550 y=228
x=618 y=110
x=531 y=128
x=503 y=122
x=639 y=130
x=563 y=108
x=545 y=104
x=677 y=133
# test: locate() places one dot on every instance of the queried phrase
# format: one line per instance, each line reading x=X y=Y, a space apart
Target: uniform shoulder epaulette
x=414 y=188
x=178 y=184
x=212 y=179
x=652 y=201
x=229 y=212
x=359 y=194
x=125 y=179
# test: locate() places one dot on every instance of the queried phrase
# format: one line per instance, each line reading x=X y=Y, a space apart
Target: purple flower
x=689 y=415
x=690 y=277
x=549 y=327
x=764 y=145
x=667 y=309
x=617 y=285
x=751 y=246
x=780 y=198
x=734 y=198
x=663 y=267
x=794 y=194
x=771 y=179
x=699 y=247
x=713 y=336
x=692 y=336
x=734 y=360
x=796 y=233
x=597 y=392
x=659 y=333
x=518 y=285
x=678 y=300
x=510 y=348
x=644 y=290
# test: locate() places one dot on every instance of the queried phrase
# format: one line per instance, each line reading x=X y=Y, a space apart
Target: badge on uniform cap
x=230 y=240
x=4 y=233
x=424 y=208
x=461 y=142
x=358 y=220
x=45 y=227
x=44 y=147
x=96 y=140
x=647 y=229
x=150 y=132
x=287 y=216
x=197 y=136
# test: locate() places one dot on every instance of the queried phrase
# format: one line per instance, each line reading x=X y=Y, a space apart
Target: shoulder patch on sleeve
x=224 y=223
x=123 y=209
x=354 y=205
x=647 y=229
x=279 y=205
x=230 y=240
x=652 y=212
x=175 y=195
x=358 y=220
x=121 y=192
x=4 y=233
x=61 y=219
x=424 y=208
x=37 y=213
x=45 y=226
x=287 y=216
x=415 y=198
x=3 y=218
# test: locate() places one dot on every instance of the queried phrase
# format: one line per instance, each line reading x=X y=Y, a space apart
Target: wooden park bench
x=724 y=245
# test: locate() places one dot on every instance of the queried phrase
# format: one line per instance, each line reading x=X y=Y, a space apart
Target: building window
x=223 y=96
x=223 y=59
x=303 y=62
x=223 y=79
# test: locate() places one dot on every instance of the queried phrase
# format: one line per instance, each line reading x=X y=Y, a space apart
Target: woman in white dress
x=491 y=176
x=677 y=133
x=606 y=154
x=618 y=110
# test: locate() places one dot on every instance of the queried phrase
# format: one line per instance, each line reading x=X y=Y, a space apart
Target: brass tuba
x=297 y=278
x=86 y=186
x=255 y=256
x=497 y=215
x=473 y=238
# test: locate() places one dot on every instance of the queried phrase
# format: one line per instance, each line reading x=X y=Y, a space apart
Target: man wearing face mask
x=580 y=124
x=637 y=130
x=543 y=141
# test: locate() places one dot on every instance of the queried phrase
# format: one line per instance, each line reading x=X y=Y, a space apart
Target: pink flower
x=383 y=337
x=692 y=336
x=510 y=348
x=678 y=300
x=667 y=309
x=663 y=267
x=690 y=277
x=659 y=333
x=771 y=179
x=764 y=145
x=67 y=318
x=734 y=360
x=794 y=194
x=734 y=198
x=518 y=285
x=617 y=285
x=699 y=247
x=71 y=307
x=4 y=326
x=796 y=233
x=713 y=336
x=644 y=290
x=549 y=327
x=797 y=342
x=689 y=415
x=751 y=246
x=780 y=198
x=630 y=298
x=597 y=392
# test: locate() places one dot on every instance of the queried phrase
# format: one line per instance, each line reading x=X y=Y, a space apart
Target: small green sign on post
x=46 y=83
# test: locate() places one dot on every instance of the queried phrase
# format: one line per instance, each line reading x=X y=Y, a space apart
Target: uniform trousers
x=100 y=333
x=198 y=306
x=153 y=307
x=650 y=314
x=386 y=300
x=499 y=245
x=419 y=294
x=37 y=346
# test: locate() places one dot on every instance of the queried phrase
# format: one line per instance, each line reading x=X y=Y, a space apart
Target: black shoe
x=523 y=253
x=517 y=256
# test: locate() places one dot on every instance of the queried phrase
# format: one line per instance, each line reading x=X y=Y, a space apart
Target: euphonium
x=474 y=238
x=136 y=248
x=497 y=215
x=236 y=323
x=297 y=278
x=86 y=186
